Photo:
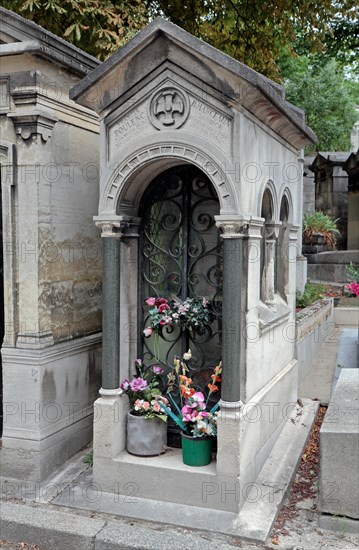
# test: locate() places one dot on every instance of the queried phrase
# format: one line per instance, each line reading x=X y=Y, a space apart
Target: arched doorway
x=180 y=255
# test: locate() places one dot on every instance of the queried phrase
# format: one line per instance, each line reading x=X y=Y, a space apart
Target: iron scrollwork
x=181 y=255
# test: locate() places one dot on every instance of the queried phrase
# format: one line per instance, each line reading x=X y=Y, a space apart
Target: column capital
x=255 y=227
x=272 y=229
x=117 y=226
x=231 y=226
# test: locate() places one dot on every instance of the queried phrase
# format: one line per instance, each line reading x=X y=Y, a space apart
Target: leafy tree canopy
x=320 y=88
x=310 y=45
x=253 y=32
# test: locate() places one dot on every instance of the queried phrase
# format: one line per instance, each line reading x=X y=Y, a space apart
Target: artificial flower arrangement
x=192 y=415
x=353 y=273
x=187 y=314
x=144 y=394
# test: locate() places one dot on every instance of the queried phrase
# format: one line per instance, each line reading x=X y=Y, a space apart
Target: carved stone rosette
x=168 y=108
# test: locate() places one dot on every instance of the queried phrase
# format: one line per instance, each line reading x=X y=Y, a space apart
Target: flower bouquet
x=143 y=392
x=189 y=313
x=197 y=423
x=146 y=421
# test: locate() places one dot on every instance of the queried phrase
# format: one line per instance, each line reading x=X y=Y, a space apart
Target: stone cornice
x=30 y=124
x=35 y=39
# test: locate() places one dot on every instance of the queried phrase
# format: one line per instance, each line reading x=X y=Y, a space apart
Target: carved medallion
x=168 y=108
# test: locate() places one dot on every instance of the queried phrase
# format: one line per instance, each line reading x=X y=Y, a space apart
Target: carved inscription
x=130 y=126
x=209 y=122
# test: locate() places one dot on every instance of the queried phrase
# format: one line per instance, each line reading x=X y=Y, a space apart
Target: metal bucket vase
x=196 y=451
x=146 y=436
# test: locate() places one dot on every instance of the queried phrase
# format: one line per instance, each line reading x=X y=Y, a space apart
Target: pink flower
x=160 y=301
x=150 y=301
x=147 y=332
x=156 y=407
x=197 y=401
x=157 y=369
x=125 y=385
x=138 y=384
x=164 y=400
x=354 y=288
x=166 y=320
x=163 y=307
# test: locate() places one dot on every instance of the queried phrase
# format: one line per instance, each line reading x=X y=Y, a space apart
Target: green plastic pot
x=196 y=451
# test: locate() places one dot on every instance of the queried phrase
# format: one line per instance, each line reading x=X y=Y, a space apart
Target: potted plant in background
x=319 y=229
x=147 y=420
x=198 y=424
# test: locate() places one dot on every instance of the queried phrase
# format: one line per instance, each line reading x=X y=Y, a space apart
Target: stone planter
x=146 y=436
x=196 y=451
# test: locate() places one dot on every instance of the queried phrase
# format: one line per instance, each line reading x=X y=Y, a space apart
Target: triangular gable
x=163 y=42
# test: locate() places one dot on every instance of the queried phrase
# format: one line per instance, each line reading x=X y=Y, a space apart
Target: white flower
x=187 y=356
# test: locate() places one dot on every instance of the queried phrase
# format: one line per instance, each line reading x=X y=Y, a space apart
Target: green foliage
x=353 y=273
x=327 y=98
x=88 y=458
x=318 y=222
x=252 y=32
x=312 y=292
x=99 y=27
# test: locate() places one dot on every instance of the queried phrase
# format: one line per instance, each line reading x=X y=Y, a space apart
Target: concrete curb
x=51 y=529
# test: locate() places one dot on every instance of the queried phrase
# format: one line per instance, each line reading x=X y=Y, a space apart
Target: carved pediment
x=169 y=104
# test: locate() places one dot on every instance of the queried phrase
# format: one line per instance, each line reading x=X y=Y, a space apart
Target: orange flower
x=215 y=378
x=186 y=392
x=212 y=388
x=185 y=380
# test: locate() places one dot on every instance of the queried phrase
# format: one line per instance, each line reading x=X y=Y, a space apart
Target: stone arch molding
x=269 y=185
x=121 y=191
x=285 y=192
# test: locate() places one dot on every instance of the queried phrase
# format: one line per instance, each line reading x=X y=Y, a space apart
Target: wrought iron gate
x=180 y=254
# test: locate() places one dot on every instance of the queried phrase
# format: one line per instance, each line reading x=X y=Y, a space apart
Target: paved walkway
x=340 y=348
x=55 y=521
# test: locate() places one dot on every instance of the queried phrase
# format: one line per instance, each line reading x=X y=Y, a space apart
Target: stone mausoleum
x=201 y=195
x=198 y=192
x=51 y=253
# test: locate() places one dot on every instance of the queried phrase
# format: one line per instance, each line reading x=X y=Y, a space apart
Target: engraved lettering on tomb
x=209 y=122
x=130 y=126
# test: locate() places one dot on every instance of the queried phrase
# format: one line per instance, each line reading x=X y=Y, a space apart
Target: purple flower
x=124 y=385
x=138 y=384
x=157 y=369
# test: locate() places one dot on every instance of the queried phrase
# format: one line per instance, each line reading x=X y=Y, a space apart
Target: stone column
x=233 y=343
x=232 y=308
x=111 y=233
x=111 y=407
x=272 y=232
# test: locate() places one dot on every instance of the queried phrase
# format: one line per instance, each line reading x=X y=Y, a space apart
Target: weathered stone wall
x=55 y=195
